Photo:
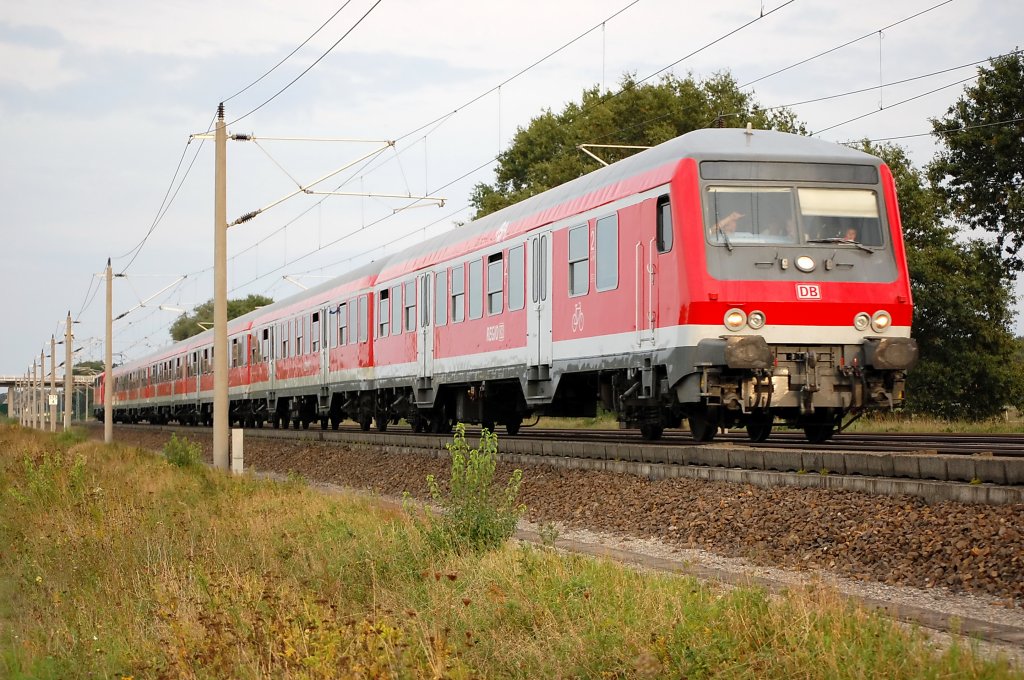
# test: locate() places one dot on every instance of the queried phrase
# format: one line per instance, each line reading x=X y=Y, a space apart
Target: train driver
x=726 y=226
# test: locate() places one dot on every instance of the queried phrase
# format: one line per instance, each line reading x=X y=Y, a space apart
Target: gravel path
x=946 y=551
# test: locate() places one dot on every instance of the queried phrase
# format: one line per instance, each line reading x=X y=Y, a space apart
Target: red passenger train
x=730 y=277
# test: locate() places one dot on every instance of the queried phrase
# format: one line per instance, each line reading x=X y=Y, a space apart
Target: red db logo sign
x=807 y=291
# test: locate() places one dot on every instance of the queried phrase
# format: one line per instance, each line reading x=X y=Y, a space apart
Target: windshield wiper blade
x=838 y=239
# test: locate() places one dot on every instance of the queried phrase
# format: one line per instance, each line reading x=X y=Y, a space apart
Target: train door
x=646 y=302
x=425 y=339
x=538 y=321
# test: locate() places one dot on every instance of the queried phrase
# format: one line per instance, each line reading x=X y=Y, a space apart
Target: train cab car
x=788 y=296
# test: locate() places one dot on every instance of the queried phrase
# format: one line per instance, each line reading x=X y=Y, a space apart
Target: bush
x=182 y=452
x=476 y=517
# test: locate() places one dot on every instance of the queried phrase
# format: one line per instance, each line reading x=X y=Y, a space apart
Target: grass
x=117 y=563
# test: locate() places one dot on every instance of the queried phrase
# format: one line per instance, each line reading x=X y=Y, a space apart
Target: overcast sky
x=98 y=99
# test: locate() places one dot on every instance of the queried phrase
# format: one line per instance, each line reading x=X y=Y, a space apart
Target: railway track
x=966 y=468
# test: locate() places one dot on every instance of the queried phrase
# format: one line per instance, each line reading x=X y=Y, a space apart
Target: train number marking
x=496 y=333
x=808 y=291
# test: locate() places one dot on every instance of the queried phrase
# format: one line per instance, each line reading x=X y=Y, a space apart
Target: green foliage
x=88 y=368
x=963 y=307
x=187 y=325
x=477 y=517
x=979 y=173
x=182 y=452
x=545 y=153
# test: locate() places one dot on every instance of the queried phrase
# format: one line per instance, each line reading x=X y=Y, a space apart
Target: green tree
x=187 y=325
x=962 y=306
x=545 y=153
x=979 y=174
x=88 y=368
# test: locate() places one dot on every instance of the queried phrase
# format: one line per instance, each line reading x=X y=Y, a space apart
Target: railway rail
x=973 y=469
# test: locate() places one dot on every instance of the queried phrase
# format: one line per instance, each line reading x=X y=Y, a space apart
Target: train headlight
x=735 y=319
x=756 y=319
x=881 y=321
x=805 y=264
x=862 y=321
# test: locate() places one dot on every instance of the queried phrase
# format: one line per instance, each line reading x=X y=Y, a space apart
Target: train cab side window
x=476 y=289
x=383 y=308
x=664 y=224
x=440 y=298
x=606 y=258
x=495 y=283
x=516 y=278
x=363 y=318
x=396 y=310
x=410 y=305
x=458 y=294
x=579 y=260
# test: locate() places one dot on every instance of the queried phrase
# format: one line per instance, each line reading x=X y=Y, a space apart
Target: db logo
x=805 y=291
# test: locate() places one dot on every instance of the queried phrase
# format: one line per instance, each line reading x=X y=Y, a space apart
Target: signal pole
x=220 y=297
x=108 y=377
x=68 y=375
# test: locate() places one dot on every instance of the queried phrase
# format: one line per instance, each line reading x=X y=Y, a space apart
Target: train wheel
x=365 y=422
x=324 y=423
x=702 y=428
x=382 y=424
x=512 y=426
x=335 y=422
x=651 y=431
x=275 y=421
x=259 y=423
x=487 y=425
x=758 y=429
x=305 y=423
x=819 y=433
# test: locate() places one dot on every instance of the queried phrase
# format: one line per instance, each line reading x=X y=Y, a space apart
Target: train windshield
x=739 y=215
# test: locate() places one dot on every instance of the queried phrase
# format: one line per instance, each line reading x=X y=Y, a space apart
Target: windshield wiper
x=838 y=239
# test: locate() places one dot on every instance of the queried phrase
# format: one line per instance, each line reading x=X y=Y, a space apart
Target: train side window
x=579 y=260
x=299 y=347
x=476 y=289
x=440 y=298
x=353 y=326
x=234 y=353
x=458 y=294
x=606 y=258
x=664 y=224
x=383 y=309
x=516 y=278
x=410 y=305
x=332 y=329
x=363 y=318
x=495 y=283
x=425 y=300
x=396 y=310
x=342 y=324
x=315 y=333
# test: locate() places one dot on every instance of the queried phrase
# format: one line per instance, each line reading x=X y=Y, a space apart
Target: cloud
x=34 y=68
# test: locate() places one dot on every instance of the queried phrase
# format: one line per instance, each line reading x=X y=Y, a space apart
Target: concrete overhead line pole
x=108 y=376
x=220 y=297
x=68 y=374
x=40 y=387
x=53 y=383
